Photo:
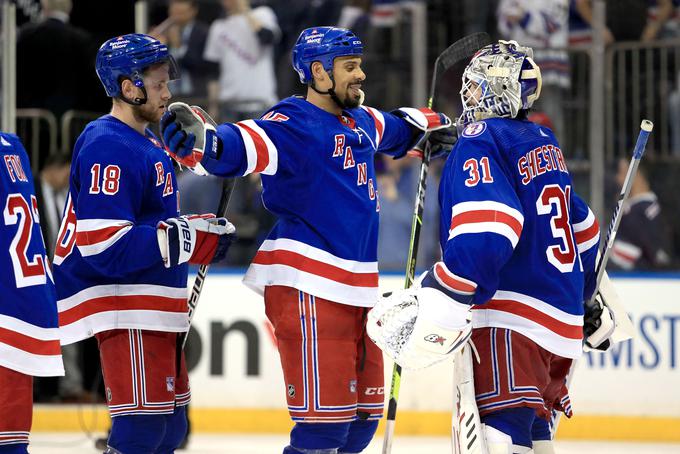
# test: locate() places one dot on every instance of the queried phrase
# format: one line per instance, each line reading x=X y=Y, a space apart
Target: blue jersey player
x=29 y=334
x=318 y=268
x=122 y=251
x=519 y=249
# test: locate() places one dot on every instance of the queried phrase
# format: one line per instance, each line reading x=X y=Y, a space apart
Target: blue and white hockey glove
x=441 y=131
x=189 y=133
x=197 y=239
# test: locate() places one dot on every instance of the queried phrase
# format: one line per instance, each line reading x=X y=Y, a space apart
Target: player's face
x=348 y=78
x=158 y=94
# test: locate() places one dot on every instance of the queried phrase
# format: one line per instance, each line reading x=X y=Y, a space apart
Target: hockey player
x=519 y=249
x=122 y=252
x=29 y=337
x=317 y=269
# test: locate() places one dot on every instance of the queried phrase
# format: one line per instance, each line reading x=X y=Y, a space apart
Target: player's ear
x=128 y=89
x=318 y=72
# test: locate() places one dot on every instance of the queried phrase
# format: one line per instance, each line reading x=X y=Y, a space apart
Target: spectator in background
x=542 y=25
x=186 y=37
x=51 y=190
x=643 y=240
x=54 y=65
x=397 y=183
x=626 y=20
x=243 y=44
x=356 y=16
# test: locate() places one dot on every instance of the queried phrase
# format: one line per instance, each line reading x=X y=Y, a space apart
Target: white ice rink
x=76 y=443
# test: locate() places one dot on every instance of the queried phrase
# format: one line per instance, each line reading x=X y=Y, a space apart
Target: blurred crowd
x=234 y=57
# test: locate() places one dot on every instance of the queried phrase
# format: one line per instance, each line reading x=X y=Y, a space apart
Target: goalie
x=519 y=249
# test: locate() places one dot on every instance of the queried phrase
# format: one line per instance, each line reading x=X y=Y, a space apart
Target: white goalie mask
x=500 y=81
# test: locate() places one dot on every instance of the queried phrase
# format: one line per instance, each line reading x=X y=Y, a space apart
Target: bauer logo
x=474 y=129
x=435 y=339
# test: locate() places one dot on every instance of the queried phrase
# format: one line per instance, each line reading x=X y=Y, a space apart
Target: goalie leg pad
x=509 y=431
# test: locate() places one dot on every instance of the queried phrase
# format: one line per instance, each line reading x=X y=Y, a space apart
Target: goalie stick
x=461 y=50
x=645 y=129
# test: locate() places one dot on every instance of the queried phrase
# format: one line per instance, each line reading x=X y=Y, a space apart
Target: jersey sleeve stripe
x=260 y=150
x=379 y=120
x=453 y=282
x=530 y=313
x=484 y=217
x=587 y=232
x=94 y=236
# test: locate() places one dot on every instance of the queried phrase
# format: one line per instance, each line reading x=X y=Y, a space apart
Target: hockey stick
x=461 y=50
x=645 y=129
x=192 y=302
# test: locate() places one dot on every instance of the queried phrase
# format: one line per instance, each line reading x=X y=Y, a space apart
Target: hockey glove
x=425 y=121
x=189 y=132
x=598 y=325
x=419 y=326
x=197 y=239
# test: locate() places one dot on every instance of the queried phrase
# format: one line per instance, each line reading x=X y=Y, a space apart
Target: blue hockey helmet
x=323 y=44
x=127 y=56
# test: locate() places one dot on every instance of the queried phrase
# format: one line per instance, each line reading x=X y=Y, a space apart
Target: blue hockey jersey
x=108 y=267
x=318 y=178
x=29 y=334
x=517 y=241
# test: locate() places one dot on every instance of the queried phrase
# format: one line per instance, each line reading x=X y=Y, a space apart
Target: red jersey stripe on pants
x=331 y=368
x=16 y=405
x=140 y=372
x=514 y=372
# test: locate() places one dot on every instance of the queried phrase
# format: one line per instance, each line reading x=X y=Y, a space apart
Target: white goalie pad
x=467 y=432
x=623 y=326
x=419 y=327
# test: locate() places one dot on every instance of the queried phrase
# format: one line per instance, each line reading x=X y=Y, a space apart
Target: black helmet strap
x=134 y=101
x=330 y=91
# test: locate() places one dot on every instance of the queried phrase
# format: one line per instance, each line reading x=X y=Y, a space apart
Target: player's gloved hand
x=188 y=133
x=426 y=120
x=441 y=143
x=197 y=239
x=419 y=326
x=598 y=325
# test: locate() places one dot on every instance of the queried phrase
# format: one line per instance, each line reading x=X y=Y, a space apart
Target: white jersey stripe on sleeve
x=484 y=217
x=94 y=236
x=379 y=120
x=587 y=233
x=261 y=153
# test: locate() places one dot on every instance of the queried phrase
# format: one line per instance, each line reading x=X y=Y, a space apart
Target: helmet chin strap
x=136 y=101
x=330 y=92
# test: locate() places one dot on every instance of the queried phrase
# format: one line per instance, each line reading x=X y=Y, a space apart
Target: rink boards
x=631 y=392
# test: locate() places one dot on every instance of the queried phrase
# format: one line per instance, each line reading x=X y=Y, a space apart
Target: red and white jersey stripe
x=94 y=236
x=15 y=437
x=379 y=119
x=29 y=349
x=137 y=306
x=553 y=329
x=261 y=152
x=625 y=254
x=452 y=281
x=312 y=270
x=587 y=233
x=486 y=216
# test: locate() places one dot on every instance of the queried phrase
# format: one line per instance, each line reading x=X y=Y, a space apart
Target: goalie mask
x=501 y=80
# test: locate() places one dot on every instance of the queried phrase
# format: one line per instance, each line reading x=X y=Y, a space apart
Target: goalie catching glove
x=189 y=133
x=441 y=132
x=197 y=239
x=419 y=326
